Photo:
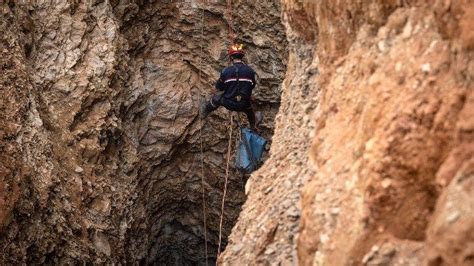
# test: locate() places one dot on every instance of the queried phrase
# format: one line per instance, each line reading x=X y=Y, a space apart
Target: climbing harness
x=235 y=92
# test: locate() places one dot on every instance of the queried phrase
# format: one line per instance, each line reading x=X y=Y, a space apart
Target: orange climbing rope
x=204 y=216
x=229 y=149
x=231 y=36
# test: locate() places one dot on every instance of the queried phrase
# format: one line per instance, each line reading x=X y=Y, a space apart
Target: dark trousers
x=243 y=106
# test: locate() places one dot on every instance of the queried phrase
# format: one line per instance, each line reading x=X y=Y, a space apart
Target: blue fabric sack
x=249 y=151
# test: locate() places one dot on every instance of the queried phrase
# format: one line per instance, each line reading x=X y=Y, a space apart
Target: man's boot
x=205 y=109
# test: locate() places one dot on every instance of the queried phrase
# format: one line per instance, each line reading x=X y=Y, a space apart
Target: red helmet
x=236 y=49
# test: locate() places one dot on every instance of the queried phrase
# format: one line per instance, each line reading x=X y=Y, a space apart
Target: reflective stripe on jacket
x=228 y=81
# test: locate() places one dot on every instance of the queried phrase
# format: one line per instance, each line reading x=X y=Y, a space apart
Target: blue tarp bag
x=249 y=151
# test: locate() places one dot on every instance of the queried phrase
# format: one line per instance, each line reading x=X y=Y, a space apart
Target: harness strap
x=236 y=90
x=237 y=79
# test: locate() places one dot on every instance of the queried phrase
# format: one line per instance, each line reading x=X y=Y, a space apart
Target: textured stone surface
x=371 y=162
x=100 y=133
x=389 y=180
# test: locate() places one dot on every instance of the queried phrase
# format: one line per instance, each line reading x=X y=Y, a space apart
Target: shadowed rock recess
x=99 y=137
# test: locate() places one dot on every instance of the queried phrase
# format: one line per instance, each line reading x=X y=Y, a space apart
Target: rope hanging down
x=229 y=146
x=229 y=149
x=230 y=23
x=204 y=217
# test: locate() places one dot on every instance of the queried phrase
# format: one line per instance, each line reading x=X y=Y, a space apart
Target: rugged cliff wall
x=99 y=135
x=371 y=159
x=383 y=91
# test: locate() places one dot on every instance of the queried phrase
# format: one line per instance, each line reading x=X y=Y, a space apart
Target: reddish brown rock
x=370 y=164
x=391 y=85
x=99 y=128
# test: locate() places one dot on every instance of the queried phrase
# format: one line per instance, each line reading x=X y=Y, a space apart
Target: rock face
x=382 y=91
x=100 y=135
x=371 y=161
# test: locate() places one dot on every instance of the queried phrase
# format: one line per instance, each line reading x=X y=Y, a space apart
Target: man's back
x=235 y=86
x=228 y=81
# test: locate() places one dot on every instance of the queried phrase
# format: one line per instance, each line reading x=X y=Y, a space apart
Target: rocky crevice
x=371 y=157
x=111 y=94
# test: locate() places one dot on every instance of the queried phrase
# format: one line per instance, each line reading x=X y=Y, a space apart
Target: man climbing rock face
x=234 y=87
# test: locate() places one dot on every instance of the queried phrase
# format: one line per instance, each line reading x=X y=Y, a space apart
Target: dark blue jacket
x=228 y=81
